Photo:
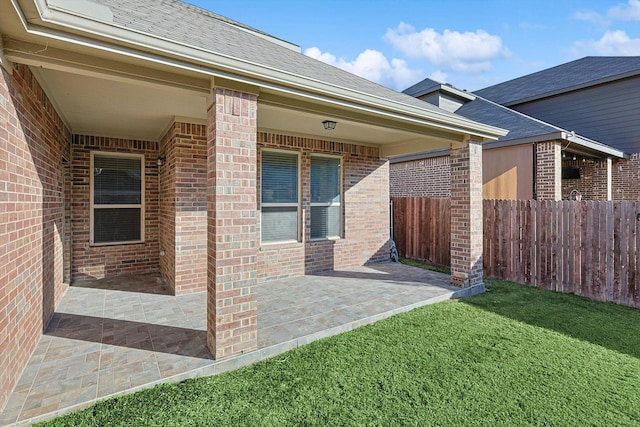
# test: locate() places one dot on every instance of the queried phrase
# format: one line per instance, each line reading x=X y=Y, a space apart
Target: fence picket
x=526 y=242
x=609 y=231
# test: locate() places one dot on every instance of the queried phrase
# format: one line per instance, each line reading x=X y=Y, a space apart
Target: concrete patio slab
x=119 y=335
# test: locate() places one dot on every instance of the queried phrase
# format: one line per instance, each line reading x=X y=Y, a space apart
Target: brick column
x=183 y=207
x=466 y=215
x=548 y=171
x=232 y=223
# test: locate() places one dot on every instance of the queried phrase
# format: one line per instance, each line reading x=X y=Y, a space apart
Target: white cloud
x=374 y=66
x=629 y=11
x=591 y=16
x=612 y=43
x=626 y=12
x=467 y=52
x=439 y=76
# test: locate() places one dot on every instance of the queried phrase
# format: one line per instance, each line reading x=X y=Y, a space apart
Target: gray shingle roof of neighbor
x=484 y=111
x=422 y=87
x=190 y=25
x=573 y=75
x=518 y=124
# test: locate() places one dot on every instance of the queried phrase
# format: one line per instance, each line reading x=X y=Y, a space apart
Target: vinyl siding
x=607 y=113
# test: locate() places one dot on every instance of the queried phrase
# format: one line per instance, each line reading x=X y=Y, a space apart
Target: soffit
x=140 y=110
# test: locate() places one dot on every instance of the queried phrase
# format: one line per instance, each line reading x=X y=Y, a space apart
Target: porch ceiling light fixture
x=329 y=124
x=161 y=160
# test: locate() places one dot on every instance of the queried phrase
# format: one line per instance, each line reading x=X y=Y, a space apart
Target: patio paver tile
x=112 y=335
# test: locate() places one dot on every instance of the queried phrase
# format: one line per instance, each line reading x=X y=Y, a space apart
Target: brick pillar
x=190 y=167
x=549 y=171
x=466 y=215
x=232 y=223
x=183 y=208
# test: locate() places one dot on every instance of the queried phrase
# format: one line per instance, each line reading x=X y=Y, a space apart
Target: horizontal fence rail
x=590 y=248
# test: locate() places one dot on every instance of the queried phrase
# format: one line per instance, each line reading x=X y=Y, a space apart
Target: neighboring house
x=577 y=123
x=146 y=136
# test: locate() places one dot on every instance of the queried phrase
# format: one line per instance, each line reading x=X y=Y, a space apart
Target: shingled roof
x=521 y=126
x=192 y=26
x=484 y=111
x=518 y=124
x=577 y=74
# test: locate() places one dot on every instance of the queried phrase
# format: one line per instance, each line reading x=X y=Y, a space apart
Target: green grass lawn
x=512 y=356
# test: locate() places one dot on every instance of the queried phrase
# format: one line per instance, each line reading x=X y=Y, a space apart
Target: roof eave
x=584 y=146
x=152 y=48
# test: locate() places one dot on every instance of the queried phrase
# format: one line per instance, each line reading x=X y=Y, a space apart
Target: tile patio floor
x=113 y=336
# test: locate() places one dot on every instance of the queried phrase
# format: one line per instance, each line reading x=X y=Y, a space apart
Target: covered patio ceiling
x=106 y=104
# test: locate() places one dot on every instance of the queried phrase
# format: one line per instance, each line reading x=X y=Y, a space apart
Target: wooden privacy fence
x=590 y=248
x=422 y=228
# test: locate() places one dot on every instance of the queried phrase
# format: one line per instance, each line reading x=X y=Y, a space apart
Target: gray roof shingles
x=422 y=87
x=186 y=24
x=484 y=111
x=561 y=78
x=519 y=125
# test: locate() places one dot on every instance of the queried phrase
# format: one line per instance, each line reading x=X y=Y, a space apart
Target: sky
x=471 y=44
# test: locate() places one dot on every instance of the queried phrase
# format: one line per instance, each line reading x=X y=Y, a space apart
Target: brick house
x=572 y=128
x=152 y=136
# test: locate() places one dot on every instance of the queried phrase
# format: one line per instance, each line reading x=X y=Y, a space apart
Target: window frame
x=298 y=204
x=93 y=206
x=340 y=234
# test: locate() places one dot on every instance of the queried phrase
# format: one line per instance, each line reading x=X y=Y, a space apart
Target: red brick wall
x=365 y=206
x=183 y=207
x=33 y=143
x=626 y=178
x=421 y=178
x=431 y=177
x=548 y=171
x=592 y=184
x=103 y=261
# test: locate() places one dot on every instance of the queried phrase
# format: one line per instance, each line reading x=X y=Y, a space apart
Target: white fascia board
x=450 y=90
x=567 y=137
x=457 y=92
x=593 y=145
x=256 y=74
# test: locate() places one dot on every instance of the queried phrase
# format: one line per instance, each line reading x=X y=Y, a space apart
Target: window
x=279 y=202
x=326 y=212
x=117 y=198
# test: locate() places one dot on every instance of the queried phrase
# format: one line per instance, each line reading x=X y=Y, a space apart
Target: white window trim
x=340 y=178
x=282 y=205
x=93 y=206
